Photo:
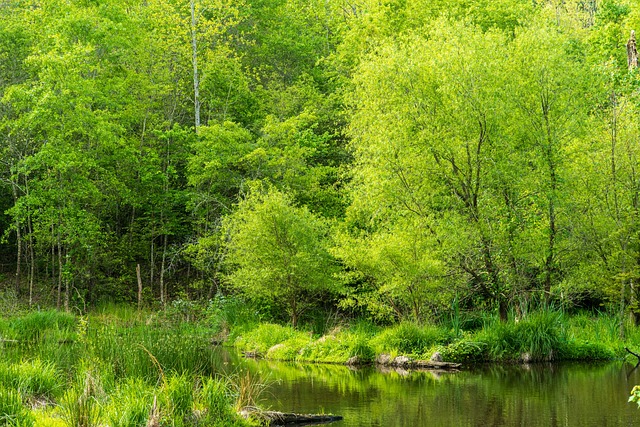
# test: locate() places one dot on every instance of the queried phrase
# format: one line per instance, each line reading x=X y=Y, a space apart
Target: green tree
x=428 y=137
x=278 y=252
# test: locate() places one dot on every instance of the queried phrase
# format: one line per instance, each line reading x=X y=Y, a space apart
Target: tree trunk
x=152 y=260
x=632 y=53
x=32 y=261
x=18 y=242
x=194 y=57
x=139 y=287
x=66 y=287
x=550 y=260
x=163 y=295
x=59 y=270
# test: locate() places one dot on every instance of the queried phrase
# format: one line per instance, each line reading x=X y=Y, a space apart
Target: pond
x=535 y=395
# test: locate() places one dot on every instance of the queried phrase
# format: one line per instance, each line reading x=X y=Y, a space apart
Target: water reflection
x=536 y=395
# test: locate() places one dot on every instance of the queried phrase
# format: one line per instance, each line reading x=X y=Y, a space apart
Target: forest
x=395 y=160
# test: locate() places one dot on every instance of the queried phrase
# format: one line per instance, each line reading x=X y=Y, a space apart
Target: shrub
x=586 y=350
x=465 y=351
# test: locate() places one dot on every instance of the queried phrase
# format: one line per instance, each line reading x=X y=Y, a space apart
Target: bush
x=585 y=350
x=465 y=351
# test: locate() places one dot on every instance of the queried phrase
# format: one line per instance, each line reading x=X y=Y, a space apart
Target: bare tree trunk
x=18 y=242
x=32 y=258
x=194 y=54
x=139 y=287
x=163 y=294
x=59 y=271
x=153 y=259
x=32 y=261
x=550 y=260
x=66 y=289
x=632 y=53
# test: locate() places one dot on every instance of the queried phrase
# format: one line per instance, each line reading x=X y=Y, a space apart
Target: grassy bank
x=545 y=335
x=118 y=368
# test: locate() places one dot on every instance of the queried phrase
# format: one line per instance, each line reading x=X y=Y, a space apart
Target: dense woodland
x=395 y=159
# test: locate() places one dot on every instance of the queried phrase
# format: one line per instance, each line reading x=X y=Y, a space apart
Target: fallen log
x=275 y=418
x=428 y=364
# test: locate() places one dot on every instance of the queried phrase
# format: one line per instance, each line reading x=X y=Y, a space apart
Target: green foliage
x=231 y=314
x=338 y=348
x=80 y=405
x=178 y=392
x=120 y=366
x=635 y=395
x=381 y=159
x=586 y=350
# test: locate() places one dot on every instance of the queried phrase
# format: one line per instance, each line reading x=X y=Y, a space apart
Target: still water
x=536 y=395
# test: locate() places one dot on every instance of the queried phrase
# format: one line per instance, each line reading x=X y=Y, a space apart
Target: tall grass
x=12 y=410
x=100 y=370
x=410 y=339
x=130 y=404
x=34 y=326
x=32 y=378
x=539 y=336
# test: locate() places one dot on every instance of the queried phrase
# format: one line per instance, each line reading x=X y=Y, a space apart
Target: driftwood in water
x=636 y=355
x=428 y=364
x=275 y=418
x=252 y=355
x=408 y=363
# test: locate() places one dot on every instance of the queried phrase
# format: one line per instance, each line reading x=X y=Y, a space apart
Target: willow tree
x=427 y=137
